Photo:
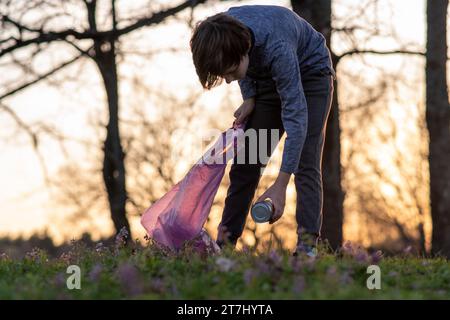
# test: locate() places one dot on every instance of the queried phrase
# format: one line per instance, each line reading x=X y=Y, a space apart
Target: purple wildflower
x=361 y=257
x=100 y=248
x=275 y=258
x=310 y=263
x=376 y=257
x=36 y=255
x=204 y=244
x=66 y=257
x=347 y=248
x=295 y=264
x=332 y=272
x=249 y=276
x=346 y=278
x=263 y=267
x=225 y=264
x=121 y=238
x=59 y=280
x=129 y=278
x=246 y=249
x=175 y=291
x=158 y=285
x=94 y=274
x=357 y=252
x=299 y=285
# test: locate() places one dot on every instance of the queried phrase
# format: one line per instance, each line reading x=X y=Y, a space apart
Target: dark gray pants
x=244 y=178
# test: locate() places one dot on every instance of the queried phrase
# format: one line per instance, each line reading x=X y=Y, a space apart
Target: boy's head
x=220 y=46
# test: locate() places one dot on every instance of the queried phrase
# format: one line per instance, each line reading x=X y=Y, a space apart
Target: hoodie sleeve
x=248 y=88
x=285 y=70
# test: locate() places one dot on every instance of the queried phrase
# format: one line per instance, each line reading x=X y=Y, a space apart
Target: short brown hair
x=218 y=43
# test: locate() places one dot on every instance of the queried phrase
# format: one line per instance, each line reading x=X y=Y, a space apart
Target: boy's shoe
x=309 y=251
x=307 y=245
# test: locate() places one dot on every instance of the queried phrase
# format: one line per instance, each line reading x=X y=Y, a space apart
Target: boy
x=285 y=74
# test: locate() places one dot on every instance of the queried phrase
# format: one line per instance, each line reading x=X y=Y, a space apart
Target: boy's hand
x=244 y=110
x=277 y=193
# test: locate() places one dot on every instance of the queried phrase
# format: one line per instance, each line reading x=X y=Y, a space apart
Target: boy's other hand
x=277 y=193
x=244 y=110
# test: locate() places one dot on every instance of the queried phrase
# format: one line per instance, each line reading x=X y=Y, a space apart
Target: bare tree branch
x=370 y=100
x=41 y=77
x=45 y=37
x=363 y=51
x=33 y=136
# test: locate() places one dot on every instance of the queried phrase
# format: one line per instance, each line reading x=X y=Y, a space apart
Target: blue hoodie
x=284 y=46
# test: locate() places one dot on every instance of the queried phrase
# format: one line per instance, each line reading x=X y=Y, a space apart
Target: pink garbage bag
x=181 y=213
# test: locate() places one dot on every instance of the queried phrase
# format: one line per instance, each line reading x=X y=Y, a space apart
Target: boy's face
x=237 y=72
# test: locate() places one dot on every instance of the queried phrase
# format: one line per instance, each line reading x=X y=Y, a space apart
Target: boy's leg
x=244 y=178
x=318 y=88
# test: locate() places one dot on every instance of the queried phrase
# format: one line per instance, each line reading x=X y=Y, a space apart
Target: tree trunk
x=318 y=14
x=333 y=203
x=438 y=124
x=113 y=161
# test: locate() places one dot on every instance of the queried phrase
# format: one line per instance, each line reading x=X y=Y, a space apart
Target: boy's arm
x=285 y=71
x=248 y=89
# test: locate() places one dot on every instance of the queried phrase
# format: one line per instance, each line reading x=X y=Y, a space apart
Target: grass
x=136 y=272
